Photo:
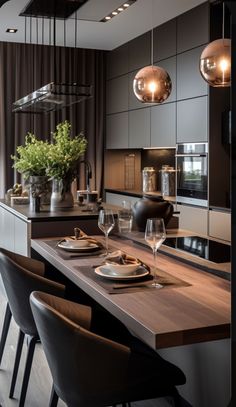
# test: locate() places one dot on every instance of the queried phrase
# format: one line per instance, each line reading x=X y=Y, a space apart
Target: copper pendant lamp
x=215 y=61
x=152 y=84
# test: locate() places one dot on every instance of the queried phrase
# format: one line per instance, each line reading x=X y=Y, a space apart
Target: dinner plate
x=71 y=246
x=107 y=273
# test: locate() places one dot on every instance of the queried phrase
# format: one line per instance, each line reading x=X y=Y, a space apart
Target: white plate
x=107 y=273
x=71 y=246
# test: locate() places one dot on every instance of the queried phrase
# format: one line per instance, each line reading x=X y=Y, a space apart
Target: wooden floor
x=40 y=380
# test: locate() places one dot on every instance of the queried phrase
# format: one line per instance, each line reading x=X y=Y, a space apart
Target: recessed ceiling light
x=11 y=30
x=118 y=10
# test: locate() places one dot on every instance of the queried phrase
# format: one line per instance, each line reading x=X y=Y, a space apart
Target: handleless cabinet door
x=117 y=131
x=164 y=40
x=117 y=62
x=192 y=120
x=117 y=95
x=193 y=219
x=163 y=125
x=170 y=66
x=139 y=128
x=134 y=103
x=190 y=83
x=140 y=52
x=193 y=28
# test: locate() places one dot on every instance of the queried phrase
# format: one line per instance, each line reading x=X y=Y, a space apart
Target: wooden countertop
x=161 y=318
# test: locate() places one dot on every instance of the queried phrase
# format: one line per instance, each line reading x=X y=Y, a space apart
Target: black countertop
x=77 y=212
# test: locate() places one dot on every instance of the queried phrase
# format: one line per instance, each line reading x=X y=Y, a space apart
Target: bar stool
x=22 y=275
x=35 y=267
x=91 y=370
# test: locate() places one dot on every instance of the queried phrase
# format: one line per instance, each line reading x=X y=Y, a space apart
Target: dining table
x=192 y=306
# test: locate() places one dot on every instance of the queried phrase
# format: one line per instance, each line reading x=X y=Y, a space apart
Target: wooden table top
x=162 y=318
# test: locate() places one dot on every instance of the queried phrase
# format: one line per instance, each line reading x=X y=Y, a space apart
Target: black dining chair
x=22 y=275
x=35 y=266
x=89 y=370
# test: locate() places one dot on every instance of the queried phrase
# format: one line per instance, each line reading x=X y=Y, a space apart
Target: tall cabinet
x=192 y=113
x=183 y=117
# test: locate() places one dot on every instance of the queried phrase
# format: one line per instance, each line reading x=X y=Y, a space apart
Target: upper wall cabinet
x=117 y=95
x=170 y=66
x=164 y=41
x=117 y=135
x=140 y=52
x=163 y=125
x=134 y=103
x=117 y=61
x=189 y=80
x=193 y=28
x=192 y=122
x=139 y=128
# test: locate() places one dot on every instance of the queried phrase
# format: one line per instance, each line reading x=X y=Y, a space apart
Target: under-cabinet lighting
x=158 y=148
x=11 y=30
x=117 y=11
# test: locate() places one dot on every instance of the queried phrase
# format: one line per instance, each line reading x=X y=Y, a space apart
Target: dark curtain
x=27 y=67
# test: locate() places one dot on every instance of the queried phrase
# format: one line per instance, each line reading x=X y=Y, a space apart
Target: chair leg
x=53 y=398
x=28 y=364
x=5 y=329
x=17 y=361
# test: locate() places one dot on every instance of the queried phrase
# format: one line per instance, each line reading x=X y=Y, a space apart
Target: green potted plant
x=62 y=164
x=31 y=161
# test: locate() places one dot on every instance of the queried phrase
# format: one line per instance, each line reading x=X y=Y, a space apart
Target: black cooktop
x=199 y=246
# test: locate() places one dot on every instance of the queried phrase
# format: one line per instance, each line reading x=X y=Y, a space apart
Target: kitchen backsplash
x=125 y=166
x=156 y=159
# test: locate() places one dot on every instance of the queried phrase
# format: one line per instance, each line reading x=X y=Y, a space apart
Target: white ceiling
x=136 y=20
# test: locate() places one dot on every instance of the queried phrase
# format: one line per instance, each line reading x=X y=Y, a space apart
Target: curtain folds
x=26 y=67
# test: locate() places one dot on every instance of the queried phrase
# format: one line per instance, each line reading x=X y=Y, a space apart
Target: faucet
x=88 y=173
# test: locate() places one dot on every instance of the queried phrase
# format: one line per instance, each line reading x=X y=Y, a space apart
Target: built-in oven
x=192 y=173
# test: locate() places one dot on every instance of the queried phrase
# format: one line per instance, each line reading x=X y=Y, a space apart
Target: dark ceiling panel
x=2 y=2
x=51 y=8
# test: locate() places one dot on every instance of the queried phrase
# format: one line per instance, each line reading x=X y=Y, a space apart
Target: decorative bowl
x=122 y=269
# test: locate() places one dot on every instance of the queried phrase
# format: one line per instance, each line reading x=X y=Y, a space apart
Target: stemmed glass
x=155 y=235
x=106 y=223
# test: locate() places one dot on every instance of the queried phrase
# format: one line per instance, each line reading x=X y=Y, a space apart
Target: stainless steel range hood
x=51 y=97
x=54 y=95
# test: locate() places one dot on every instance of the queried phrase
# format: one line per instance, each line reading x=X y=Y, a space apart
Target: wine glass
x=106 y=223
x=155 y=235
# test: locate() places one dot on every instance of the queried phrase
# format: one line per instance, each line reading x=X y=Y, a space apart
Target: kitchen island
x=18 y=224
x=189 y=324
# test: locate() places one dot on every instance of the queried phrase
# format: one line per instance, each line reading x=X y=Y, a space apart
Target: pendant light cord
x=223 y=23
x=152 y=36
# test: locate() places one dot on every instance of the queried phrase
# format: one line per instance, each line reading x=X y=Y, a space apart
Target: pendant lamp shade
x=215 y=63
x=152 y=84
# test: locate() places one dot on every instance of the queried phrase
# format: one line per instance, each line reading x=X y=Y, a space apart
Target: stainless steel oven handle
x=190 y=155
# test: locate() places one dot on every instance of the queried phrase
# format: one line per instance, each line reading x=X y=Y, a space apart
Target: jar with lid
x=149 y=179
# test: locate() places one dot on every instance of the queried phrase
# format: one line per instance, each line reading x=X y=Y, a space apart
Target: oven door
x=192 y=178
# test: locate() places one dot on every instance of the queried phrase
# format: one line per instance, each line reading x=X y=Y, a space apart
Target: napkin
x=81 y=235
x=120 y=257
